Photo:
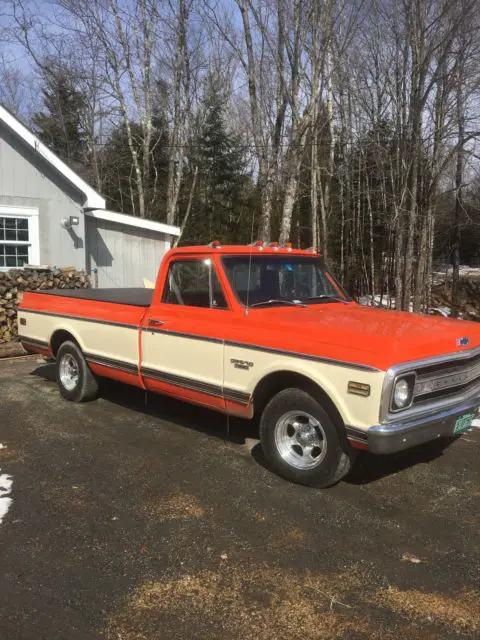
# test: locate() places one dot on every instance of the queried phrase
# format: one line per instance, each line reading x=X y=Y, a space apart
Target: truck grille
x=446 y=380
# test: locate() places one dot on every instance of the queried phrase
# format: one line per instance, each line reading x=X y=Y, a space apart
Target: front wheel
x=301 y=442
x=75 y=380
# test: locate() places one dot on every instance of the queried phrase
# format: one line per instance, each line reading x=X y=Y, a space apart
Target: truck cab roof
x=235 y=249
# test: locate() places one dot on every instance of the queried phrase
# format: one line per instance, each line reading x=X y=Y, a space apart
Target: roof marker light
x=288 y=246
x=215 y=244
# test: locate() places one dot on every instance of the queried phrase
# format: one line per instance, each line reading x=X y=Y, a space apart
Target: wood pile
x=14 y=283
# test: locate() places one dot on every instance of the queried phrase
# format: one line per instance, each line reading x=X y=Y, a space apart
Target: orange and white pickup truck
x=266 y=330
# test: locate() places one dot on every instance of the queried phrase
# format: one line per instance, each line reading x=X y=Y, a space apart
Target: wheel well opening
x=58 y=338
x=280 y=380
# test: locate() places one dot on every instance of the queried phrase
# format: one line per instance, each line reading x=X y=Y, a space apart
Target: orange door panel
x=182 y=351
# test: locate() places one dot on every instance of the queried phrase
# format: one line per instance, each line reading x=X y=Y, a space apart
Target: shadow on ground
x=368 y=468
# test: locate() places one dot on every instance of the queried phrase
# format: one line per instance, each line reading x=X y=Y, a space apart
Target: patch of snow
x=472 y=273
x=476 y=423
x=464 y=269
x=6 y=483
x=386 y=302
x=3 y=446
x=440 y=311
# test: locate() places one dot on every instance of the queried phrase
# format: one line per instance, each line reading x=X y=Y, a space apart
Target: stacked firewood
x=14 y=283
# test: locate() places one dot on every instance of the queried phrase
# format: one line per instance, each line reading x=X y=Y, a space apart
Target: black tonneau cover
x=136 y=297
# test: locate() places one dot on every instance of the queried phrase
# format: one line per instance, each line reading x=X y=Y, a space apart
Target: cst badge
x=241 y=364
x=463 y=342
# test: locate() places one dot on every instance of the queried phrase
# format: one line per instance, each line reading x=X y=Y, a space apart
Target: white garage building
x=51 y=216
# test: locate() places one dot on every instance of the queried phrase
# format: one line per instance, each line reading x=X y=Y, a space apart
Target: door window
x=194 y=283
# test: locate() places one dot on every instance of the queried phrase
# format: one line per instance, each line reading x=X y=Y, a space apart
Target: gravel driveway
x=140 y=521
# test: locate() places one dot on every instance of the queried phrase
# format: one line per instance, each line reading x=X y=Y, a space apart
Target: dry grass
x=176 y=505
x=462 y=612
x=288 y=536
x=263 y=604
x=13 y=456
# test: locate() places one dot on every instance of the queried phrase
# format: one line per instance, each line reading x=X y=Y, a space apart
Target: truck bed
x=137 y=297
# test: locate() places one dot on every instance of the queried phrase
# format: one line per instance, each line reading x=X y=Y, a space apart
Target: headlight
x=403 y=392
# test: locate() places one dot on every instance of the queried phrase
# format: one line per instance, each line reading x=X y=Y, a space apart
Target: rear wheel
x=301 y=442
x=75 y=380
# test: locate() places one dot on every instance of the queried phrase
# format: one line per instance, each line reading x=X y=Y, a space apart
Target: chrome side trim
x=197 y=385
x=180 y=381
x=179 y=334
x=236 y=396
x=112 y=363
x=33 y=343
x=70 y=317
x=303 y=356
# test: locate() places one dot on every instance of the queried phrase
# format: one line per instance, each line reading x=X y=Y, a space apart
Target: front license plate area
x=463 y=423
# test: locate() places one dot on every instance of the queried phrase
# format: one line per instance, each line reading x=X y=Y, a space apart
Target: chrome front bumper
x=399 y=435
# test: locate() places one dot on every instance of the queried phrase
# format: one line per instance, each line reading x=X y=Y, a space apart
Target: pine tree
x=221 y=202
x=119 y=184
x=59 y=126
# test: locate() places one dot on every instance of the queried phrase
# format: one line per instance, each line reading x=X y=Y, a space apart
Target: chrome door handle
x=155 y=323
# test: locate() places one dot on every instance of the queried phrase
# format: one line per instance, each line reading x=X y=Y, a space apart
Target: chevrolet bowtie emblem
x=463 y=342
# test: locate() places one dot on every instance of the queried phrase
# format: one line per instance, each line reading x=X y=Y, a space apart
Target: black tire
x=329 y=462
x=82 y=385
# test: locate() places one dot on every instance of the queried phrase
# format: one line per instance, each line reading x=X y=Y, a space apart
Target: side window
x=194 y=283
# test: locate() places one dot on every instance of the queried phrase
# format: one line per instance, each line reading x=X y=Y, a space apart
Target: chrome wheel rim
x=300 y=440
x=69 y=372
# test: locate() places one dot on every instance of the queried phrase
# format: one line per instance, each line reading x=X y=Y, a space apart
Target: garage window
x=19 y=238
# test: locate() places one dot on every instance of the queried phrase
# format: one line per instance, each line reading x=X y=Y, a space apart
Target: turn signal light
x=358 y=389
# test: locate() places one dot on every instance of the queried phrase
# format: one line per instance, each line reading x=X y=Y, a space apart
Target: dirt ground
x=144 y=521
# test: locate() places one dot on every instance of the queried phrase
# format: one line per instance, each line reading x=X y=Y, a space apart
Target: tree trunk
x=459 y=207
x=399 y=260
x=266 y=176
x=175 y=160
x=421 y=273
x=188 y=210
x=266 y=182
x=314 y=239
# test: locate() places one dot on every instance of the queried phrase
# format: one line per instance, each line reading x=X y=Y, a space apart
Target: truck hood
x=377 y=337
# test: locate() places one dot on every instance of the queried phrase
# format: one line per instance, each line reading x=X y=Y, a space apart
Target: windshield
x=270 y=280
